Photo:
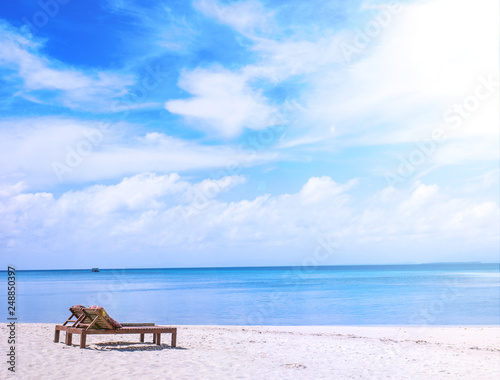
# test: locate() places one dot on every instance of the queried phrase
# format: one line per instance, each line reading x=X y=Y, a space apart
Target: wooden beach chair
x=96 y=321
x=80 y=317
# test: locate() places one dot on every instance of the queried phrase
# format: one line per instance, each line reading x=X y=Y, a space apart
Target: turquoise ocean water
x=434 y=294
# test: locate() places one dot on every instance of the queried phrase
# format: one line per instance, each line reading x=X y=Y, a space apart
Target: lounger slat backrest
x=84 y=320
x=95 y=319
x=77 y=313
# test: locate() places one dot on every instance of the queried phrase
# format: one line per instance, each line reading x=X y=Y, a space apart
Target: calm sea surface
x=436 y=294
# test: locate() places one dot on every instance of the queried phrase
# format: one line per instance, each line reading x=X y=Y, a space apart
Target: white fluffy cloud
x=222 y=101
x=162 y=220
x=225 y=101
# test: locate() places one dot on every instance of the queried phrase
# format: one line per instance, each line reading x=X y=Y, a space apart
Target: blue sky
x=241 y=133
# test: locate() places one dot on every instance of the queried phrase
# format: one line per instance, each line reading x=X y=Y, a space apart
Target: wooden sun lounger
x=81 y=318
x=93 y=321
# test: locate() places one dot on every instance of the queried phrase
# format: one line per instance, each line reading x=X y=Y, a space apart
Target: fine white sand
x=268 y=352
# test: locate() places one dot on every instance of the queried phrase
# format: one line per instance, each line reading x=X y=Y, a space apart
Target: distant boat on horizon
x=95 y=269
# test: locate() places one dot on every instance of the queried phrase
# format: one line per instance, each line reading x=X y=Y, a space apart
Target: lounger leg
x=158 y=339
x=154 y=338
x=142 y=338
x=174 y=339
x=83 y=340
x=69 y=338
x=56 y=335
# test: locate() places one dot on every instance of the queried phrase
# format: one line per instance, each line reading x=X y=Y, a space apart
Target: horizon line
x=262 y=266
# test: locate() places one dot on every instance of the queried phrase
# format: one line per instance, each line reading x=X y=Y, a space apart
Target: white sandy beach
x=268 y=352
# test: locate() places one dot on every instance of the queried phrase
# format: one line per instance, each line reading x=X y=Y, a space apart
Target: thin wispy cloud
x=52 y=150
x=249 y=18
x=46 y=80
x=160 y=27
